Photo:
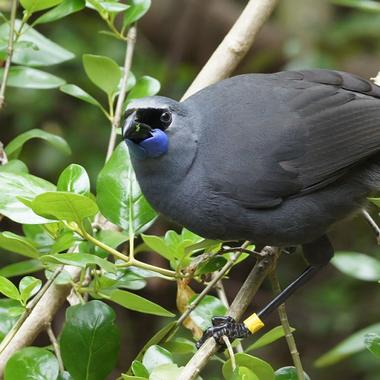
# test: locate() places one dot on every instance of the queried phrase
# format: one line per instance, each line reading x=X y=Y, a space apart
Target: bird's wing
x=322 y=124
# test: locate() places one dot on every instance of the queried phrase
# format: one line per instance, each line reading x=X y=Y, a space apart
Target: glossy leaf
x=145 y=86
x=21 y=268
x=288 y=373
x=119 y=196
x=268 y=338
x=28 y=287
x=349 y=346
x=103 y=72
x=14 y=166
x=135 y=302
x=209 y=307
x=74 y=179
x=136 y=10
x=122 y=279
x=365 y=5
x=63 y=205
x=77 y=92
x=32 y=363
x=14 y=185
x=111 y=238
x=168 y=371
x=81 y=260
x=26 y=77
x=38 y=5
x=8 y=289
x=34 y=49
x=90 y=341
x=357 y=265
x=243 y=373
x=156 y=356
x=18 y=244
x=259 y=367
x=7 y=320
x=13 y=149
x=112 y=6
x=372 y=343
x=180 y=346
x=139 y=369
x=65 y=8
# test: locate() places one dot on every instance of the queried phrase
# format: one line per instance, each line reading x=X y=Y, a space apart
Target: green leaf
x=113 y=6
x=81 y=260
x=288 y=373
x=14 y=185
x=145 y=86
x=21 y=268
x=103 y=72
x=34 y=49
x=13 y=149
x=136 y=10
x=134 y=302
x=65 y=8
x=349 y=346
x=160 y=336
x=121 y=279
x=259 y=367
x=357 y=265
x=243 y=373
x=180 y=346
x=8 y=289
x=268 y=338
x=77 y=92
x=32 y=363
x=168 y=371
x=213 y=264
x=38 y=5
x=26 y=77
x=63 y=205
x=159 y=245
x=139 y=369
x=74 y=179
x=372 y=343
x=156 y=356
x=365 y=5
x=7 y=320
x=90 y=341
x=18 y=244
x=63 y=243
x=14 y=166
x=119 y=196
x=209 y=307
x=111 y=238
x=28 y=287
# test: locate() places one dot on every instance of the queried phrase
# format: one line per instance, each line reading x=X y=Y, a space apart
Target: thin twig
x=287 y=329
x=211 y=284
x=131 y=41
x=238 y=307
x=372 y=223
x=8 y=61
x=230 y=352
x=234 y=46
x=56 y=349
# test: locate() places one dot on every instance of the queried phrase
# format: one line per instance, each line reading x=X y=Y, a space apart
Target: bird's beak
x=134 y=130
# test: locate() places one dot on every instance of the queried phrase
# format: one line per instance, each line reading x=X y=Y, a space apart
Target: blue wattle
x=152 y=147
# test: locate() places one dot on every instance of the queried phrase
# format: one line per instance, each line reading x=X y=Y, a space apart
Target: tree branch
x=8 y=61
x=241 y=302
x=234 y=46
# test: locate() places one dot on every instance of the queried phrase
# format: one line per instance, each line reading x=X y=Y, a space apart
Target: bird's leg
x=318 y=253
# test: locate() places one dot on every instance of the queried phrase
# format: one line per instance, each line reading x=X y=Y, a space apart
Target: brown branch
x=240 y=304
x=234 y=46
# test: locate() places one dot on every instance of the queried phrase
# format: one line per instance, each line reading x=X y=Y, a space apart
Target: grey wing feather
x=317 y=126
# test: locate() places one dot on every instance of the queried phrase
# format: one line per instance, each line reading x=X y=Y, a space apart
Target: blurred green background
x=175 y=39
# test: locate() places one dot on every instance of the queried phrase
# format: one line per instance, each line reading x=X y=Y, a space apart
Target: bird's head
x=150 y=125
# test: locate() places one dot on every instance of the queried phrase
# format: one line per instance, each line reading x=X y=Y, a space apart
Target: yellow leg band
x=253 y=323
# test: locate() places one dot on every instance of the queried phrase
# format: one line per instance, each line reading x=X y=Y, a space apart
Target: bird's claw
x=224 y=326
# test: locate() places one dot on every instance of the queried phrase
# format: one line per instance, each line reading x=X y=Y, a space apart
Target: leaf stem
x=287 y=329
x=56 y=349
x=131 y=41
x=11 y=41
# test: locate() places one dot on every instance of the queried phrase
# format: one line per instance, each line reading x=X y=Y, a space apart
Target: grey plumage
x=276 y=159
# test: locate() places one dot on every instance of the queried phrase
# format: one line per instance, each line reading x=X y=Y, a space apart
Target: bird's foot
x=224 y=326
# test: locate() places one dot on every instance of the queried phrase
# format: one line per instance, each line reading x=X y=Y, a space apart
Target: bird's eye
x=166 y=118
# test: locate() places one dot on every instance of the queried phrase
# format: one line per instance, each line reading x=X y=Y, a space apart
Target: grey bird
x=272 y=158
